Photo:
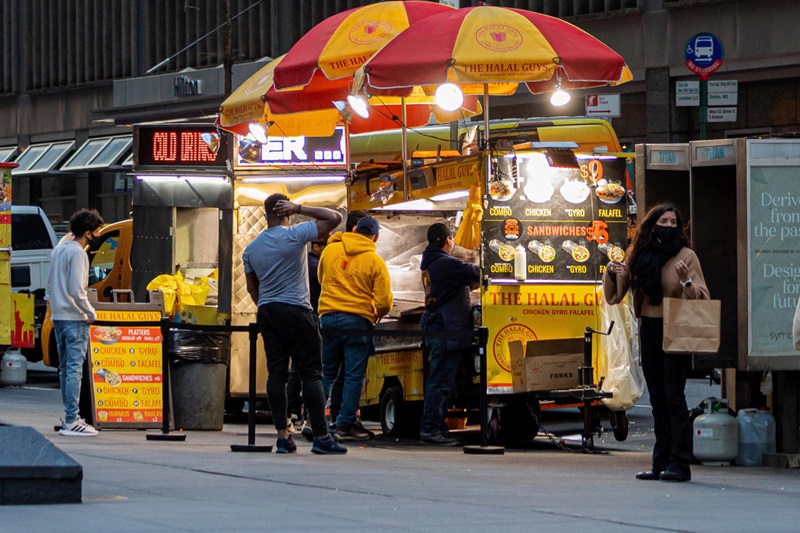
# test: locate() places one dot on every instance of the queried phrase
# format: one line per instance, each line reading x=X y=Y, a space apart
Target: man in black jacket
x=447 y=283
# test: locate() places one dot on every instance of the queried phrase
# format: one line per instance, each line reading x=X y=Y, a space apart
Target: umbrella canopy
x=309 y=110
x=494 y=48
x=338 y=45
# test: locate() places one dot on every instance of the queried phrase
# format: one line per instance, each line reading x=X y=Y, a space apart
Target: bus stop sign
x=704 y=54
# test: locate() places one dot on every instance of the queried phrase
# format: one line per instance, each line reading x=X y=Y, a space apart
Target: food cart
x=552 y=218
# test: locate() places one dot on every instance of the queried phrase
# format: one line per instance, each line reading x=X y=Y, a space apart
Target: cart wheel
x=391 y=406
x=619 y=423
x=519 y=419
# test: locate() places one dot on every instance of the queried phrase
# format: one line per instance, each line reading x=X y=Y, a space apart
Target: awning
x=98 y=153
x=42 y=158
x=7 y=153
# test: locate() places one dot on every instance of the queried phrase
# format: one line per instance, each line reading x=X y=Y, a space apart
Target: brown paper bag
x=691 y=326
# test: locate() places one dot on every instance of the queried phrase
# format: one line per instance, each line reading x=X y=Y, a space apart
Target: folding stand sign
x=125 y=357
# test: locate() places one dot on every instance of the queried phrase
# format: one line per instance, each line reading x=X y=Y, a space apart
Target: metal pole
x=703 y=107
x=165 y=384
x=252 y=331
x=404 y=140
x=481 y=338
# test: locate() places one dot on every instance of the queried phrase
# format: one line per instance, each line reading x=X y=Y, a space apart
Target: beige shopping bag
x=691 y=326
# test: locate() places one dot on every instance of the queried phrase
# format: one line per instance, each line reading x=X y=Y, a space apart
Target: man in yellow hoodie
x=356 y=293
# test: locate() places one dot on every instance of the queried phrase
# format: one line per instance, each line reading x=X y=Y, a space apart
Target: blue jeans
x=72 y=341
x=351 y=351
x=440 y=384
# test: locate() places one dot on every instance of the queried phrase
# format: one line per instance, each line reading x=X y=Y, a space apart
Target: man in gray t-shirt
x=276 y=270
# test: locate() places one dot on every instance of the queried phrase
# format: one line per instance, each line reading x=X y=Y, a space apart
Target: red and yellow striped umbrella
x=494 y=48
x=309 y=110
x=340 y=44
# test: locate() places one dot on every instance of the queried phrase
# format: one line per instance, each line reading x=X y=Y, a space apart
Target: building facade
x=76 y=74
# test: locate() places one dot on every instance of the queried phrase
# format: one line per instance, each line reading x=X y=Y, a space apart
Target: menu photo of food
x=609 y=192
x=542 y=249
x=579 y=252
x=575 y=191
x=505 y=251
x=107 y=334
x=501 y=189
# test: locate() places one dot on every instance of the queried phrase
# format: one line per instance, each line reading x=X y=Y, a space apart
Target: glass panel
x=112 y=151
x=29 y=232
x=53 y=156
x=85 y=153
x=30 y=155
x=102 y=256
x=7 y=153
x=128 y=160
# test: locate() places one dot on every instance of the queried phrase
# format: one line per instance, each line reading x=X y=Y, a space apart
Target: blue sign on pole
x=704 y=54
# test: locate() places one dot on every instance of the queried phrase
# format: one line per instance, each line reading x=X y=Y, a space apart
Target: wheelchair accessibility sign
x=704 y=54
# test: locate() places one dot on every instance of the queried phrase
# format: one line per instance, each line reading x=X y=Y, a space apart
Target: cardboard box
x=545 y=365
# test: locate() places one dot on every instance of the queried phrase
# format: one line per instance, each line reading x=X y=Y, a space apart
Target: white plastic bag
x=619 y=355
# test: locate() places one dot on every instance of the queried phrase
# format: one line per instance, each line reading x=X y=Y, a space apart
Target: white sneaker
x=78 y=428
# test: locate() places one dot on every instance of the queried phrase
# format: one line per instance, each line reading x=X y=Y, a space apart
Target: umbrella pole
x=486 y=115
x=404 y=152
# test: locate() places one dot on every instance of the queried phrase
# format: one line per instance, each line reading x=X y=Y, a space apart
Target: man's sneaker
x=77 y=428
x=353 y=432
x=286 y=445
x=438 y=439
x=357 y=424
x=327 y=445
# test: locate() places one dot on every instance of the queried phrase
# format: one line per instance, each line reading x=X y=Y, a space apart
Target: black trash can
x=198 y=369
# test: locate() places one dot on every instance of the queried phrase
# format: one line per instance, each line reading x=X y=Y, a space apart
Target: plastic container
x=520 y=264
x=716 y=434
x=15 y=368
x=756 y=436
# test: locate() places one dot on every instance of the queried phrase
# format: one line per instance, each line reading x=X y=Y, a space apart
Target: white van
x=32 y=241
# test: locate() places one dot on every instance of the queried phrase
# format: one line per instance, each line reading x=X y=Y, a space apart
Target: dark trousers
x=291 y=332
x=665 y=375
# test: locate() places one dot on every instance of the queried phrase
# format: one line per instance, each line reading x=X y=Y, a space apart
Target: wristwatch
x=687 y=283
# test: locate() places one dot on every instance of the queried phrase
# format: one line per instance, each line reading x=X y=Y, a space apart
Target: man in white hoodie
x=72 y=314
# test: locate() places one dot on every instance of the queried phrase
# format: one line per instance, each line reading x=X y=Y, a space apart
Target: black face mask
x=91 y=239
x=666 y=234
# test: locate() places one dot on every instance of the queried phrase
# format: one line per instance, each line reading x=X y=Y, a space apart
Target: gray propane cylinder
x=716 y=434
x=15 y=368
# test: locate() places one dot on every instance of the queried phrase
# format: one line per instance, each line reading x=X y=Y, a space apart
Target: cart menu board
x=127 y=378
x=554 y=217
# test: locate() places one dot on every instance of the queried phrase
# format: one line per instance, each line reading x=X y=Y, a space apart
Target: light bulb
x=449 y=97
x=359 y=105
x=258 y=132
x=560 y=97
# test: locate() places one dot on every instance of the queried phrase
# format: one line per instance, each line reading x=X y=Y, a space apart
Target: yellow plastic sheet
x=177 y=290
x=469 y=231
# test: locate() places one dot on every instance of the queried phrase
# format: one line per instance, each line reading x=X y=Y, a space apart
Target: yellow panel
x=533 y=312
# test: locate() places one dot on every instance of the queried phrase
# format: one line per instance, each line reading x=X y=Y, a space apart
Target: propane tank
x=15 y=368
x=756 y=436
x=716 y=434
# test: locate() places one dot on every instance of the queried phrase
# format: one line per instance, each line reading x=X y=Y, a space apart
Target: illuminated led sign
x=184 y=145
x=293 y=151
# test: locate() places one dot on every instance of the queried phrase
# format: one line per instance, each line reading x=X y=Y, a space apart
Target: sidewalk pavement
x=135 y=485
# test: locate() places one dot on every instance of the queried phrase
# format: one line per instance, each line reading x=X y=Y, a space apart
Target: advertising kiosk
x=744 y=213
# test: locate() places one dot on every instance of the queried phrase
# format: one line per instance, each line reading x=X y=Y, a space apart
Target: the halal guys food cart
x=553 y=215
x=199 y=201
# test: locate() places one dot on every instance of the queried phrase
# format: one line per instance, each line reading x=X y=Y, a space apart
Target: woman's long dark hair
x=644 y=239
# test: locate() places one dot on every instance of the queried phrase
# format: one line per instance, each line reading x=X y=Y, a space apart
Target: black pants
x=291 y=332
x=666 y=381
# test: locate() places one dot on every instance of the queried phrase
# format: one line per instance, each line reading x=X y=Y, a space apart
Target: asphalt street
x=135 y=485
